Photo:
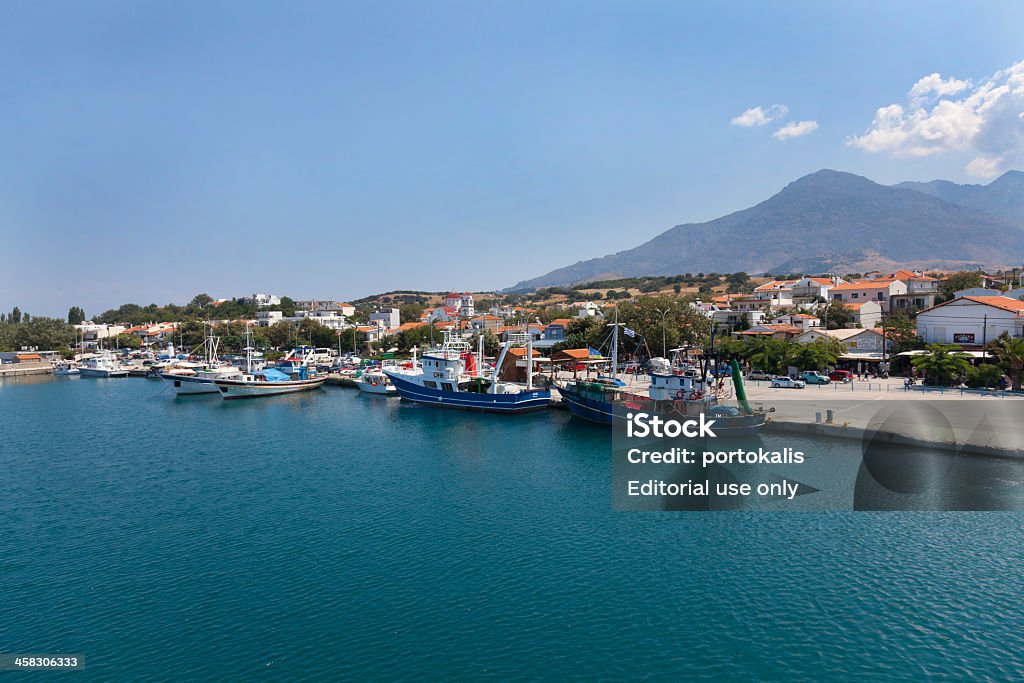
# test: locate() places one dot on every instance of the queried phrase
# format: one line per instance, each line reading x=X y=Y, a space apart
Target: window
x=855 y=295
x=446 y=386
x=429 y=385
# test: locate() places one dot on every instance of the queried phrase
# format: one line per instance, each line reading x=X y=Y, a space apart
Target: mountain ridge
x=828 y=215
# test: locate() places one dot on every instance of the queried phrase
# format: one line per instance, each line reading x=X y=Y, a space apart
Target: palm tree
x=943 y=363
x=1010 y=351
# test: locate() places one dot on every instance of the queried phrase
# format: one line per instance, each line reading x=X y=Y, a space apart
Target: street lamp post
x=664 y=347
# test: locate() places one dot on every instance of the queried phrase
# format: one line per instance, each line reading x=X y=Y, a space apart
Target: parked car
x=759 y=376
x=814 y=377
x=841 y=376
x=722 y=371
x=788 y=383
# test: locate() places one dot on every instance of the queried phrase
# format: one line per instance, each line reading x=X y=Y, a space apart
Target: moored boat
x=102 y=365
x=266 y=382
x=376 y=382
x=448 y=378
x=681 y=393
x=66 y=369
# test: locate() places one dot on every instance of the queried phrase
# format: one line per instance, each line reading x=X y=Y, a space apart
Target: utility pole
x=883 y=369
x=984 y=339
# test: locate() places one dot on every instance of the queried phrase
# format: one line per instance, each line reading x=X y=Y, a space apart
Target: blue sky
x=151 y=151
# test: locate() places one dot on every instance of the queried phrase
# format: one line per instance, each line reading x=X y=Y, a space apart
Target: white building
x=861 y=345
x=804 y=321
x=91 y=333
x=462 y=303
x=325 y=318
x=865 y=313
x=335 y=307
x=777 y=293
x=971 y=320
x=734 y=319
x=880 y=290
x=589 y=309
x=261 y=299
x=808 y=289
x=388 y=318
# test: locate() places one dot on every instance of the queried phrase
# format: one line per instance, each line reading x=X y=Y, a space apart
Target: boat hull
x=191 y=386
x=101 y=373
x=380 y=388
x=610 y=415
x=235 y=389
x=523 y=402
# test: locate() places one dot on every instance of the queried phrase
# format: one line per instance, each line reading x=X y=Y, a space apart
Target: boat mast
x=248 y=349
x=529 y=363
x=615 y=344
x=479 y=354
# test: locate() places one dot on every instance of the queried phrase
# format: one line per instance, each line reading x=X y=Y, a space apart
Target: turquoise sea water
x=334 y=535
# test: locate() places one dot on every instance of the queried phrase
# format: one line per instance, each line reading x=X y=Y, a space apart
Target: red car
x=841 y=376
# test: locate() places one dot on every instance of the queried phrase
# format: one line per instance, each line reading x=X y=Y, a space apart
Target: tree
x=773 y=355
x=835 y=316
x=43 y=333
x=76 y=316
x=819 y=354
x=201 y=301
x=287 y=306
x=491 y=342
x=943 y=364
x=583 y=333
x=965 y=279
x=1010 y=352
x=15 y=316
x=984 y=375
x=683 y=325
x=737 y=282
x=410 y=313
x=281 y=334
x=127 y=341
x=902 y=332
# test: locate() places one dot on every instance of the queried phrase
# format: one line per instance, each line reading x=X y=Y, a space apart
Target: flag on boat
x=628 y=332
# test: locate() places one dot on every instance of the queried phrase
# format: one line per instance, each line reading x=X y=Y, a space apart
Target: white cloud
x=795 y=129
x=759 y=116
x=950 y=115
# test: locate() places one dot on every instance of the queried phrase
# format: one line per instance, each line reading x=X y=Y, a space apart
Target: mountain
x=825 y=221
x=1003 y=197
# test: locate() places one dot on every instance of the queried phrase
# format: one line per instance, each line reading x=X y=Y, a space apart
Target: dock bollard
x=829 y=416
x=817 y=416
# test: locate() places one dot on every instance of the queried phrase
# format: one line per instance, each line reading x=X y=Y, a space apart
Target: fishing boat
x=676 y=392
x=376 y=382
x=449 y=377
x=195 y=379
x=267 y=382
x=104 y=365
x=289 y=379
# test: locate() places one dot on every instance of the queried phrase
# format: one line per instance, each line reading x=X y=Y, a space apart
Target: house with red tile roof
x=971 y=321
x=880 y=290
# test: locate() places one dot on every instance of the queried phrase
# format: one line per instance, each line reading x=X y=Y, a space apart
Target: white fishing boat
x=65 y=369
x=376 y=382
x=192 y=379
x=269 y=381
x=103 y=365
x=266 y=382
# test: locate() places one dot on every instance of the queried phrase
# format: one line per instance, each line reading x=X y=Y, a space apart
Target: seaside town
x=962 y=329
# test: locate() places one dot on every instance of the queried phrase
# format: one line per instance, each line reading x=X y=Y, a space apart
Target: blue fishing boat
x=449 y=378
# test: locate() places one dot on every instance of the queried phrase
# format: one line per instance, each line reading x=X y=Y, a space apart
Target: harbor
x=417 y=539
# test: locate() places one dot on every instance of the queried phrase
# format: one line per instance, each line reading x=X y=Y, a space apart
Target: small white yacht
x=103 y=364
